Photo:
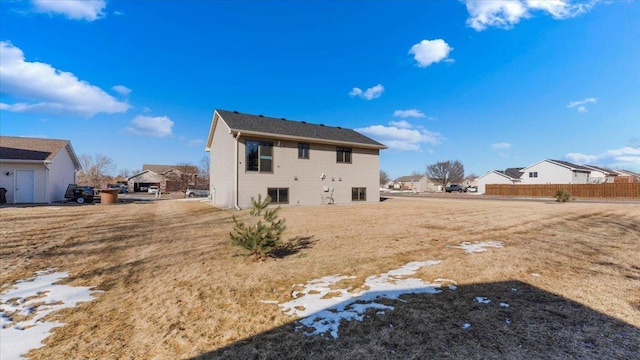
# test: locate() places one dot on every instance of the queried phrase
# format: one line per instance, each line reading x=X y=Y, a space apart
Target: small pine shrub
x=562 y=195
x=263 y=237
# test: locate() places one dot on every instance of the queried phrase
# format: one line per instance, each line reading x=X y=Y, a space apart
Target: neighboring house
x=600 y=174
x=509 y=176
x=555 y=172
x=627 y=176
x=35 y=170
x=294 y=162
x=416 y=183
x=166 y=177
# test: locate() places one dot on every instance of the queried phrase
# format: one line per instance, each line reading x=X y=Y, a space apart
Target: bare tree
x=203 y=172
x=384 y=178
x=445 y=172
x=126 y=173
x=471 y=177
x=96 y=170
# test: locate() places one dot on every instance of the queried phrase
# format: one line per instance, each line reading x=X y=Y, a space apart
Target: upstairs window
x=259 y=156
x=303 y=151
x=533 y=174
x=343 y=155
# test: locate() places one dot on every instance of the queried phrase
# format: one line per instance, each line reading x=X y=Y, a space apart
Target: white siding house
x=600 y=175
x=292 y=161
x=555 y=172
x=509 y=176
x=34 y=170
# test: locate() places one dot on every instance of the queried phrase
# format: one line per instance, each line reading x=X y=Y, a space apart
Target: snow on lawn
x=29 y=301
x=322 y=305
x=478 y=246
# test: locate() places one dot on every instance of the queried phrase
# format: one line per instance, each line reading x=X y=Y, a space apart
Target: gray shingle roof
x=571 y=165
x=299 y=129
x=514 y=173
x=31 y=149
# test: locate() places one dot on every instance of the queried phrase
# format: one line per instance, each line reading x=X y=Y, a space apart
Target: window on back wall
x=343 y=155
x=358 y=194
x=259 y=156
x=533 y=174
x=303 y=151
x=278 y=195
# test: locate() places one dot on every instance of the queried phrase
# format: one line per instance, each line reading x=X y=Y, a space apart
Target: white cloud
x=623 y=158
x=401 y=135
x=195 y=142
x=401 y=124
x=122 y=90
x=505 y=14
x=408 y=113
x=580 y=105
x=501 y=146
x=88 y=10
x=160 y=126
x=50 y=90
x=369 y=94
x=428 y=52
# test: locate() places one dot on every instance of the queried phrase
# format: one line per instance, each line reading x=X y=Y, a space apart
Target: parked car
x=79 y=194
x=472 y=189
x=121 y=188
x=455 y=187
x=153 y=190
x=196 y=192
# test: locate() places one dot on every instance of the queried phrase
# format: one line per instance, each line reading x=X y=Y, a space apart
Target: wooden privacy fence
x=605 y=190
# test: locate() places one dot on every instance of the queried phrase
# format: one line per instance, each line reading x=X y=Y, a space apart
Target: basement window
x=359 y=194
x=278 y=195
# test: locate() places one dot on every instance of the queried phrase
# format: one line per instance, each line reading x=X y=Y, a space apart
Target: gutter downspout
x=235 y=173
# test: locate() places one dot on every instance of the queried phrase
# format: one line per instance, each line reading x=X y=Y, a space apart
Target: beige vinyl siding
x=363 y=171
x=222 y=166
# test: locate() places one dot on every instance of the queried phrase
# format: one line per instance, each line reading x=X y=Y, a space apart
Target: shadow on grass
x=520 y=322
x=294 y=246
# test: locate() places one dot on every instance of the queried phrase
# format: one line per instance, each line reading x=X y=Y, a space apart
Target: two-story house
x=293 y=162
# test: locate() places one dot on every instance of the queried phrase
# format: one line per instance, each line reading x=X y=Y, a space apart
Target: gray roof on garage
x=299 y=129
x=33 y=149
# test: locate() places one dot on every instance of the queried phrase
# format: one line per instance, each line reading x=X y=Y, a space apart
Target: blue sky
x=493 y=84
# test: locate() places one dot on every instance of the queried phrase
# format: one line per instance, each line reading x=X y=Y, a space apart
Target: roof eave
x=306 y=139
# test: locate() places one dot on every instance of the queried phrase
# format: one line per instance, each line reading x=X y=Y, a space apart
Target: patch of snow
x=505 y=305
x=482 y=300
x=466 y=325
x=478 y=246
x=535 y=274
x=453 y=287
x=35 y=298
x=268 y=301
x=322 y=305
x=508 y=321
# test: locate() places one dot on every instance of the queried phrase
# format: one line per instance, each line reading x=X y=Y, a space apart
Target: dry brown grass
x=175 y=287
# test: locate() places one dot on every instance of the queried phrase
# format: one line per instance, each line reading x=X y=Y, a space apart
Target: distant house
x=166 y=177
x=416 y=183
x=627 y=176
x=294 y=162
x=509 y=176
x=600 y=174
x=35 y=170
x=555 y=172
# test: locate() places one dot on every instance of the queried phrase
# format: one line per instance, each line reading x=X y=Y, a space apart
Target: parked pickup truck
x=196 y=192
x=455 y=187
